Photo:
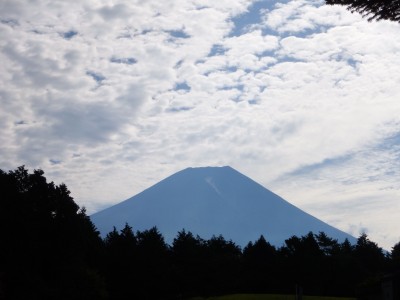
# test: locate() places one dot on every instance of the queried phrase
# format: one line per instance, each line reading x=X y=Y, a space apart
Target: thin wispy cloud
x=300 y=96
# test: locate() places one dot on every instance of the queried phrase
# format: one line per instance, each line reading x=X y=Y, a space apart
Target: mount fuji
x=211 y=201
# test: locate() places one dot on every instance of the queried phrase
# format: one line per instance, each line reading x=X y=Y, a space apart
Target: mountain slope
x=213 y=200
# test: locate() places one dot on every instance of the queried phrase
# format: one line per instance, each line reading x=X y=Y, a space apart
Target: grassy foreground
x=267 y=297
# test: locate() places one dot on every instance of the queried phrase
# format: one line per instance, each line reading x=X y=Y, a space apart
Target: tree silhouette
x=223 y=264
x=369 y=255
x=370 y=264
x=50 y=248
x=328 y=245
x=154 y=265
x=121 y=265
x=372 y=9
x=260 y=263
x=305 y=259
x=189 y=258
x=395 y=255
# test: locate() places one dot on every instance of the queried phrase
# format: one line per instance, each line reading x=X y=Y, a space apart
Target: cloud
x=111 y=98
x=298 y=17
x=117 y=11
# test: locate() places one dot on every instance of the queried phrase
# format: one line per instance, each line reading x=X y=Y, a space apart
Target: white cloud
x=111 y=98
x=302 y=15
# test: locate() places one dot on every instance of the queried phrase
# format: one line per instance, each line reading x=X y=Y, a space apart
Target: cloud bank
x=111 y=98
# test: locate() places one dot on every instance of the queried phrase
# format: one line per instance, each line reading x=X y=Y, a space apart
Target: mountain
x=211 y=201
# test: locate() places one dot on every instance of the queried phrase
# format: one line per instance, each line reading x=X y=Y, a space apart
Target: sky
x=110 y=97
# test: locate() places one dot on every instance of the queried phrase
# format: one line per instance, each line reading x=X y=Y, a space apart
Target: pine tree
x=372 y=9
x=261 y=267
x=50 y=248
x=189 y=258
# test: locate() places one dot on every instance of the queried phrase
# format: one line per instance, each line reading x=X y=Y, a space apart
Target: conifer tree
x=50 y=248
x=372 y=9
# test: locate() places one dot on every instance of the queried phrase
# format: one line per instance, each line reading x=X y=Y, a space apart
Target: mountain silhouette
x=212 y=201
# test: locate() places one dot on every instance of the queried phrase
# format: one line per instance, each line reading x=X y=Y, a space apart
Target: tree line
x=50 y=249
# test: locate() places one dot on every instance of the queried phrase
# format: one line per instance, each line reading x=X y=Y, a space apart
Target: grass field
x=267 y=297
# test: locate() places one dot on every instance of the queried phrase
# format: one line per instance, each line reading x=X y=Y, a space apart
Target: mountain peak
x=211 y=201
x=208 y=168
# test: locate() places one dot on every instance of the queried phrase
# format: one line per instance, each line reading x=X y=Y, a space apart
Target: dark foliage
x=138 y=265
x=222 y=266
x=49 y=247
x=51 y=250
x=260 y=266
x=189 y=255
x=372 y=9
x=192 y=266
x=395 y=255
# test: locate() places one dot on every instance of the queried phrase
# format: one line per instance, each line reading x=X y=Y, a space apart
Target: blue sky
x=112 y=97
